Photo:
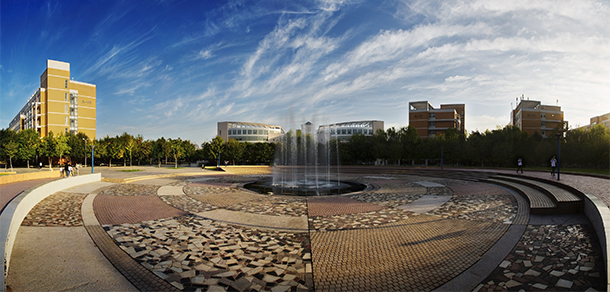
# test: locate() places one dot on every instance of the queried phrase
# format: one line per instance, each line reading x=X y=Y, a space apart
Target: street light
x=558 y=154
x=92 y=154
x=85 y=148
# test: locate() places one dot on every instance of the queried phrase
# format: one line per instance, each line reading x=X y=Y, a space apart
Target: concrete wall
x=7 y=179
x=599 y=215
x=14 y=213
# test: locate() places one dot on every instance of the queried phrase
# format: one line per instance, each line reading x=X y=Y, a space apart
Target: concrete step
x=540 y=203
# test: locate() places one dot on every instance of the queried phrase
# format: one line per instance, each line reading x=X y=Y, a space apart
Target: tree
x=48 y=148
x=189 y=150
x=234 y=150
x=128 y=144
x=10 y=150
x=6 y=135
x=28 y=141
x=158 y=149
x=177 y=150
x=215 y=148
x=142 y=149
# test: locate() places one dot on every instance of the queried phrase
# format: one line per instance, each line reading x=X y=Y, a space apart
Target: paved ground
x=369 y=241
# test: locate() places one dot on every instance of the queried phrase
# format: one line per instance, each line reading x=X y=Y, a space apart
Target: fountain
x=306 y=164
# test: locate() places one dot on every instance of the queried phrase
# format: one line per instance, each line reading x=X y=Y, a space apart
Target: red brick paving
x=10 y=191
x=338 y=206
x=116 y=210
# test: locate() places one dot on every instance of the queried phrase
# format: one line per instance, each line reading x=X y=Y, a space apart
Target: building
x=60 y=105
x=532 y=116
x=600 y=120
x=248 y=132
x=343 y=131
x=430 y=122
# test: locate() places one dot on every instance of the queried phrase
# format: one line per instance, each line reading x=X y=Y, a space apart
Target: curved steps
x=544 y=197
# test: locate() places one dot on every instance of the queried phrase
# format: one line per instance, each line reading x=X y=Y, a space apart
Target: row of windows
x=248 y=132
x=350 y=131
x=251 y=138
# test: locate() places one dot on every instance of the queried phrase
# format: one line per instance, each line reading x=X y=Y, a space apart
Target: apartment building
x=345 y=130
x=600 y=120
x=532 y=116
x=60 y=104
x=430 y=122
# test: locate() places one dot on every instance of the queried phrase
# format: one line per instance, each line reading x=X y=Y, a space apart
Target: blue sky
x=176 y=68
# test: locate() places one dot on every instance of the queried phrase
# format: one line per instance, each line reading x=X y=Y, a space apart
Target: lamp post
x=442 y=150
x=558 y=154
x=92 y=154
x=218 y=164
x=85 y=148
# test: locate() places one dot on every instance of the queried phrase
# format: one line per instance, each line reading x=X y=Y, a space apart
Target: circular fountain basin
x=305 y=188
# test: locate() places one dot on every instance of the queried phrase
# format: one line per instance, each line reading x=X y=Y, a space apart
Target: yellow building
x=60 y=104
x=532 y=116
x=431 y=122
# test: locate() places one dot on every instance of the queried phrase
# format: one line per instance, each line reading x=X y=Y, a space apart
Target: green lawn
x=131 y=170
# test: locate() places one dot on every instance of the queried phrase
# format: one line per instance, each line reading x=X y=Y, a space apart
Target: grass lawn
x=131 y=170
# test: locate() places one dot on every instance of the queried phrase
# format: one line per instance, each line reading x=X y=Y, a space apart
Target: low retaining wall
x=14 y=213
x=11 y=178
x=599 y=215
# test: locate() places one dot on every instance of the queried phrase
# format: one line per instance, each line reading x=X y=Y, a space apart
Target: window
x=66 y=83
x=66 y=130
x=238 y=132
x=432 y=116
x=543 y=115
x=254 y=132
x=66 y=121
x=431 y=124
x=66 y=96
x=249 y=132
x=66 y=108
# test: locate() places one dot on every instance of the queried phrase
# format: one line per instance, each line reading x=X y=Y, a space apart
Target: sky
x=176 y=68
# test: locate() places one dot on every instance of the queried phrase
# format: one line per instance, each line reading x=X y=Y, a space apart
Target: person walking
x=553 y=166
x=39 y=165
x=519 y=165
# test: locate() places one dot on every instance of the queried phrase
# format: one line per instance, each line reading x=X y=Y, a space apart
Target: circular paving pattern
x=362 y=242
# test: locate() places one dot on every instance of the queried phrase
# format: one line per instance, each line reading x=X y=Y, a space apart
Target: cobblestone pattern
x=274 y=206
x=139 y=276
x=45 y=212
x=391 y=199
x=357 y=220
x=194 y=253
x=551 y=258
x=416 y=254
x=220 y=196
x=187 y=204
x=479 y=202
x=130 y=190
x=132 y=209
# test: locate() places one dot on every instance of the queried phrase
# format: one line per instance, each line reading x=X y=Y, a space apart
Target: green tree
x=48 y=148
x=234 y=150
x=176 y=150
x=10 y=150
x=128 y=145
x=28 y=141
x=189 y=150
x=6 y=135
x=215 y=148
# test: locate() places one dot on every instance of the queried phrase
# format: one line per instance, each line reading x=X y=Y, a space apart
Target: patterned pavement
x=360 y=242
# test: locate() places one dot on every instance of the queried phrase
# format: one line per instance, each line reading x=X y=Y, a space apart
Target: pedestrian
x=70 y=172
x=39 y=165
x=519 y=165
x=78 y=169
x=61 y=170
x=553 y=165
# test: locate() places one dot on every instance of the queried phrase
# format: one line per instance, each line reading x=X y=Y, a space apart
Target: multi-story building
x=343 y=131
x=60 y=105
x=430 y=122
x=600 y=120
x=532 y=116
x=248 y=132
